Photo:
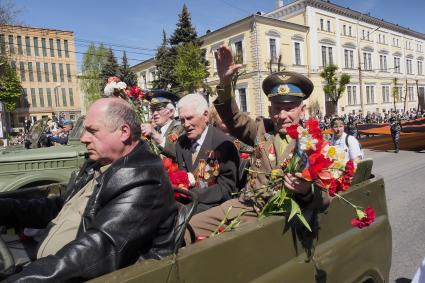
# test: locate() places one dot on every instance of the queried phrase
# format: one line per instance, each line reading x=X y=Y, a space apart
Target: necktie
x=194 y=146
x=158 y=129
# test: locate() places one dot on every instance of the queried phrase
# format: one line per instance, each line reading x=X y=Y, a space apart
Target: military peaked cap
x=160 y=98
x=287 y=87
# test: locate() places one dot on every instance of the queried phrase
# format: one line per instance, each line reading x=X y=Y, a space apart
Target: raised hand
x=225 y=66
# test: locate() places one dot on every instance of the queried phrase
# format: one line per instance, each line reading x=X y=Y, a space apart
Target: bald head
x=112 y=130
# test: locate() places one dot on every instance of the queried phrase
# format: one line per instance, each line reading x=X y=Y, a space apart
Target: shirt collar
x=201 y=139
x=165 y=127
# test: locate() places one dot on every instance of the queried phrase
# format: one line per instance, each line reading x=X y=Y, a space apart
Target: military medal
x=272 y=153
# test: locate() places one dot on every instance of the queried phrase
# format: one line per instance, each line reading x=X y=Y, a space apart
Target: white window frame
x=238 y=98
x=152 y=73
x=301 y=52
x=213 y=49
x=277 y=40
x=385 y=93
x=239 y=38
x=351 y=94
x=350 y=59
x=397 y=67
x=368 y=63
x=420 y=67
x=327 y=54
x=370 y=94
x=383 y=62
x=410 y=93
x=409 y=69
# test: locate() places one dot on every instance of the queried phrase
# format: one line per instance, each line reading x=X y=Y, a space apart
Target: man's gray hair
x=195 y=101
x=118 y=114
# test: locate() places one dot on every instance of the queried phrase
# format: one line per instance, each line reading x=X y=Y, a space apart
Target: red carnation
x=317 y=163
x=293 y=131
x=366 y=220
x=173 y=167
x=167 y=162
x=179 y=179
x=244 y=155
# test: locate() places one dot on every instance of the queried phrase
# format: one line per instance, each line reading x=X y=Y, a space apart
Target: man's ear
x=302 y=114
x=125 y=133
x=206 y=115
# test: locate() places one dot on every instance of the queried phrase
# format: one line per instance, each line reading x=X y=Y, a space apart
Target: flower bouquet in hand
x=178 y=178
x=136 y=97
x=321 y=164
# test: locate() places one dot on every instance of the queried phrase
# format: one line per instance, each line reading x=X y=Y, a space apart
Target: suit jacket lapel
x=288 y=150
x=187 y=155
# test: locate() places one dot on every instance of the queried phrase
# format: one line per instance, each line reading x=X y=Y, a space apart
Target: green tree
x=10 y=86
x=91 y=80
x=125 y=73
x=110 y=68
x=164 y=65
x=189 y=70
x=334 y=86
x=185 y=33
x=8 y=12
x=395 y=93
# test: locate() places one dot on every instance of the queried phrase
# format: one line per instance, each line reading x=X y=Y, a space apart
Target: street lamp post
x=56 y=90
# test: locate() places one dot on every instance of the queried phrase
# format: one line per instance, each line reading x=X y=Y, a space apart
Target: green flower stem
x=347 y=201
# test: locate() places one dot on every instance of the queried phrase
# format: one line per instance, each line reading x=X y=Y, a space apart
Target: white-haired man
x=164 y=130
x=207 y=153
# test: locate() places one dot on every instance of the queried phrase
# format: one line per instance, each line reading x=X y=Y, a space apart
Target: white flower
x=113 y=87
x=191 y=178
x=121 y=85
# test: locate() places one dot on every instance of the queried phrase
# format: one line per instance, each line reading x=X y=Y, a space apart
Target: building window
x=385 y=93
x=350 y=31
x=328 y=25
x=420 y=68
x=349 y=58
x=11 y=46
x=33 y=98
x=344 y=29
x=2 y=44
x=24 y=98
x=41 y=95
x=363 y=37
x=65 y=46
x=409 y=66
x=52 y=48
x=370 y=94
x=367 y=61
x=28 y=45
x=64 y=102
x=38 y=70
x=321 y=24
x=397 y=65
x=327 y=55
x=383 y=62
x=13 y=65
x=368 y=34
x=352 y=95
x=58 y=44
x=35 y=40
x=22 y=71
x=55 y=78
x=49 y=97
x=410 y=93
x=383 y=39
x=19 y=43
x=297 y=47
x=43 y=47
x=71 y=97
x=46 y=72
x=61 y=73
x=238 y=52
x=30 y=72
x=273 y=50
x=241 y=98
x=68 y=72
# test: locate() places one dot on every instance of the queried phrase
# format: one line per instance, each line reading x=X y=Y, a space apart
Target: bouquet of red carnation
x=136 y=97
x=178 y=178
x=325 y=165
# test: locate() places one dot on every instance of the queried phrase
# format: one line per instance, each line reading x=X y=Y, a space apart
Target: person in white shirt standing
x=345 y=142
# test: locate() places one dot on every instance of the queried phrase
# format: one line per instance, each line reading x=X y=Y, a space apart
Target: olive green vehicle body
x=23 y=168
x=262 y=252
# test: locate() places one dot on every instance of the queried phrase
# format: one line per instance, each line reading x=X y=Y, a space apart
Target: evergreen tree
x=10 y=86
x=91 y=81
x=110 y=68
x=125 y=73
x=184 y=34
x=164 y=65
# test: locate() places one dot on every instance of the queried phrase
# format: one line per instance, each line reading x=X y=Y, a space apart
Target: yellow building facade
x=306 y=35
x=45 y=62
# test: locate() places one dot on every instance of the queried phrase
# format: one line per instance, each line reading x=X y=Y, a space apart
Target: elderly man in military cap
x=286 y=92
x=164 y=129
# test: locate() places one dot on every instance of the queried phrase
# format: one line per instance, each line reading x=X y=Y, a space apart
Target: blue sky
x=139 y=23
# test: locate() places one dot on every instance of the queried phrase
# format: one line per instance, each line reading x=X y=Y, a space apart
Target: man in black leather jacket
x=129 y=212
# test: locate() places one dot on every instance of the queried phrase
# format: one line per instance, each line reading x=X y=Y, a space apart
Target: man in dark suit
x=164 y=130
x=207 y=153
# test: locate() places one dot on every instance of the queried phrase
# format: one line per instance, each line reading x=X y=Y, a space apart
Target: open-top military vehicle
x=265 y=251
x=23 y=168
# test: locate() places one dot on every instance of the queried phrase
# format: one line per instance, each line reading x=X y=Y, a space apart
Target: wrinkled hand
x=225 y=66
x=296 y=183
x=149 y=131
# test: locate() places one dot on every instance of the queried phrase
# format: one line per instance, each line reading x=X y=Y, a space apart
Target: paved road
x=404 y=175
